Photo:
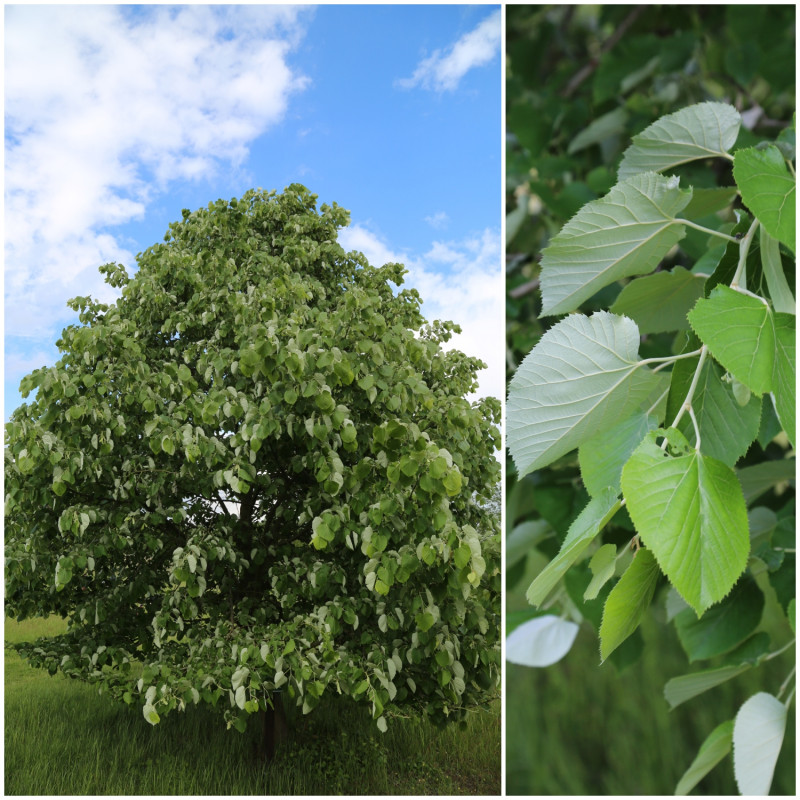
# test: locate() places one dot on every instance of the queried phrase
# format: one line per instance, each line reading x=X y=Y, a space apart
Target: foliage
x=669 y=406
x=257 y=470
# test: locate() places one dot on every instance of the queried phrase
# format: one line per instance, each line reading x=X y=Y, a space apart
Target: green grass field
x=578 y=728
x=64 y=738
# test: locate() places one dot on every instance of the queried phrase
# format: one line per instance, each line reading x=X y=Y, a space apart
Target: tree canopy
x=258 y=469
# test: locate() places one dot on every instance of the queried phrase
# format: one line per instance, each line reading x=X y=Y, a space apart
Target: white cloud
x=105 y=107
x=443 y=71
x=438 y=220
x=459 y=281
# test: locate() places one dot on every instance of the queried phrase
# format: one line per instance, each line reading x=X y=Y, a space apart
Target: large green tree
x=258 y=470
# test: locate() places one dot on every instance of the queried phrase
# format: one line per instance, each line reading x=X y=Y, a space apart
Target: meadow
x=584 y=729
x=62 y=738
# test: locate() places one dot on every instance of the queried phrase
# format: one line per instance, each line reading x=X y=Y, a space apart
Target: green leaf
x=685 y=687
x=779 y=291
x=462 y=555
x=757 y=738
x=689 y=509
x=727 y=428
x=167 y=445
x=602 y=457
x=784 y=389
x=584 y=375
x=603 y=566
x=755 y=344
x=768 y=190
x=608 y=125
x=381 y=723
x=760 y=478
x=452 y=482
x=660 y=302
x=150 y=714
x=515 y=220
x=739 y=332
x=628 y=601
x=724 y=626
x=588 y=524
x=708 y=201
x=424 y=621
x=716 y=746
x=699 y=131
x=625 y=233
x=523 y=539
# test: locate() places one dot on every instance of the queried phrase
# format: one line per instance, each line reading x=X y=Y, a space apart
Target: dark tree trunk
x=274 y=728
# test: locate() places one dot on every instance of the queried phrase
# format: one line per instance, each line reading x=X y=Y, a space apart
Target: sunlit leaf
x=627 y=602
x=768 y=190
x=689 y=509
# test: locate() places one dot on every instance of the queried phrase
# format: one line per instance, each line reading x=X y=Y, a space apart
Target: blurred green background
x=581 y=80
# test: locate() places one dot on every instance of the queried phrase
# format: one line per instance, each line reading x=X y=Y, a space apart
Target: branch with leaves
x=661 y=437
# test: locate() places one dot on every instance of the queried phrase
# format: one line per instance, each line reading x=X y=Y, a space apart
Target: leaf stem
x=786 y=683
x=778 y=652
x=744 y=248
x=686 y=405
x=709 y=231
x=660 y=398
x=667 y=360
x=696 y=428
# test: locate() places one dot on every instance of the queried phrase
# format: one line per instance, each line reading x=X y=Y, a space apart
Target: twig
x=525 y=288
x=585 y=71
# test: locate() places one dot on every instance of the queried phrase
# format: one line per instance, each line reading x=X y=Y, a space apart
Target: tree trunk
x=274 y=727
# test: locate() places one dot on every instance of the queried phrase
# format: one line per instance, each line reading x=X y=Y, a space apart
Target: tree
x=258 y=471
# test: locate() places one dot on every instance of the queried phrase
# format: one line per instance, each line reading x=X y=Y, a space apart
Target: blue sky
x=116 y=118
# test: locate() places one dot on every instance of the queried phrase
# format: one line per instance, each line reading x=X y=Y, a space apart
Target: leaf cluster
x=647 y=423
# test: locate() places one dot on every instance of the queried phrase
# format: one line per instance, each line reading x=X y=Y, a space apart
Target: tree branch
x=585 y=71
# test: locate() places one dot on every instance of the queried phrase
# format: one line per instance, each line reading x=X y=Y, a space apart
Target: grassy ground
x=577 y=728
x=63 y=738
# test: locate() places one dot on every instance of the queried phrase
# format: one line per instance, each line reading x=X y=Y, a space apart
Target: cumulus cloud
x=459 y=281
x=438 y=220
x=105 y=108
x=442 y=71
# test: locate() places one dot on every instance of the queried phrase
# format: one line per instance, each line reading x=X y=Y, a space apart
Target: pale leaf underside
x=625 y=233
x=582 y=376
x=703 y=130
x=757 y=738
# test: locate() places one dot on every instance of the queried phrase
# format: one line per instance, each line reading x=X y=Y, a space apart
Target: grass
x=63 y=738
x=577 y=728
